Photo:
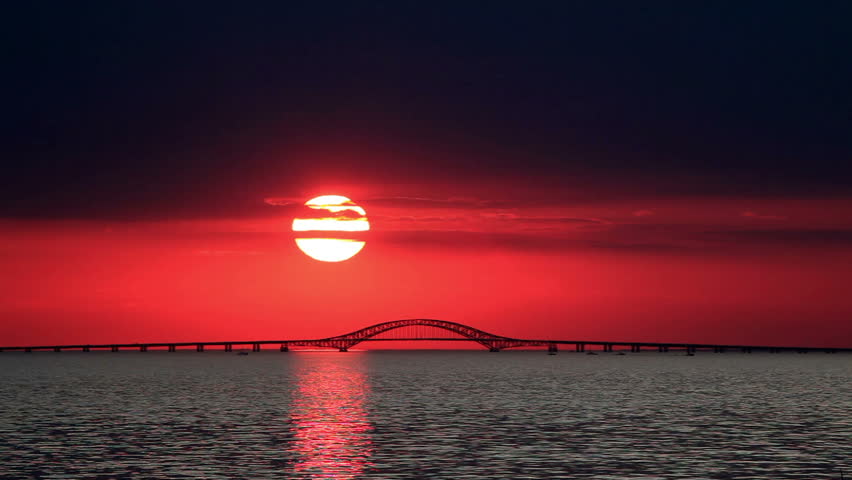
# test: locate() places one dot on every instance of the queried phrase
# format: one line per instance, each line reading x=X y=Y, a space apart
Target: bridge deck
x=423 y=327
x=526 y=343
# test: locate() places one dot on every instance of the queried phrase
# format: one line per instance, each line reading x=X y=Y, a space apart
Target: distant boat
x=620 y=353
x=690 y=354
x=242 y=353
x=591 y=353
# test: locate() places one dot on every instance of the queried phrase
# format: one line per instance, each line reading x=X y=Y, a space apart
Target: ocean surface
x=424 y=414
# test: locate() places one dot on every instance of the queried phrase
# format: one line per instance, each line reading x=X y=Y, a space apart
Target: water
x=443 y=415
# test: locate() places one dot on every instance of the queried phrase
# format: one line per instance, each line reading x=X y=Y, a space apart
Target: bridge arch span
x=488 y=340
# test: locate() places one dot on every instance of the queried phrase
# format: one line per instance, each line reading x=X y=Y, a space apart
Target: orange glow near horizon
x=346 y=217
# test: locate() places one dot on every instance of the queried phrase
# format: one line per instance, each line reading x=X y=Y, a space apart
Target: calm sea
x=443 y=415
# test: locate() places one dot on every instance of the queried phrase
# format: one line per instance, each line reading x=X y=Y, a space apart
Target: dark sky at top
x=169 y=109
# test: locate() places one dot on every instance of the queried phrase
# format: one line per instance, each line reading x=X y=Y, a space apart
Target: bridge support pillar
x=285 y=348
x=746 y=349
x=663 y=349
x=199 y=348
x=113 y=348
x=690 y=349
x=172 y=348
x=255 y=347
x=493 y=349
x=635 y=348
x=343 y=349
x=229 y=347
x=85 y=349
x=607 y=347
x=143 y=348
x=580 y=347
x=552 y=348
x=57 y=349
x=28 y=350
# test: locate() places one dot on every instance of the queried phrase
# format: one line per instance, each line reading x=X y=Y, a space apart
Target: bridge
x=424 y=329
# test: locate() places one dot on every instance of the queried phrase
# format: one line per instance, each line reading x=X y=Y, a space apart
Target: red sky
x=614 y=171
x=525 y=264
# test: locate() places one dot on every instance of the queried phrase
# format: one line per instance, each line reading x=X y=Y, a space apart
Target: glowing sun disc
x=329 y=249
x=325 y=215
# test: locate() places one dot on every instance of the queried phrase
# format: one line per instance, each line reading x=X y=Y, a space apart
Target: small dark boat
x=620 y=353
x=242 y=353
x=591 y=353
x=690 y=354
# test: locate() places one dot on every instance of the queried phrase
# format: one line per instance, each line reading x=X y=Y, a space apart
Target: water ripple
x=389 y=415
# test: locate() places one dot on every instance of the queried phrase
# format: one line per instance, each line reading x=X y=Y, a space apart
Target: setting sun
x=325 y=214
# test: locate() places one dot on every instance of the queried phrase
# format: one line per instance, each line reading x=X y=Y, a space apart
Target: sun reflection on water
x=332 y=432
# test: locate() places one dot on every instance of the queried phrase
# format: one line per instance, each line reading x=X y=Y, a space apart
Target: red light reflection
x=332 y=432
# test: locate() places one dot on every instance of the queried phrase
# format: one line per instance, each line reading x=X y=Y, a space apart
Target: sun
x=330 y=227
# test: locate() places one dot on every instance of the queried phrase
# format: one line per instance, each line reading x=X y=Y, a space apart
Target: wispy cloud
x=283 y=201
x=226 y=253
x=464 y=214
x=690 y=225
x=643 y=213
x=403 y=202
x=757 y=216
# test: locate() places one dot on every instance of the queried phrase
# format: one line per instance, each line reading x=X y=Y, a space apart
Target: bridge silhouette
x=423 y=330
